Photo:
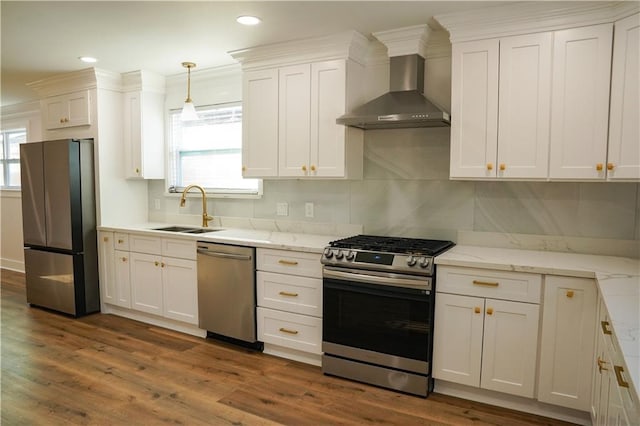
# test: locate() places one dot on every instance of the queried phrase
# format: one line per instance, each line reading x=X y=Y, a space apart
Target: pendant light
x=188 y=110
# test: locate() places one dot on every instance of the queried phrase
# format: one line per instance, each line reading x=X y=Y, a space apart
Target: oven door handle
x=413 y=283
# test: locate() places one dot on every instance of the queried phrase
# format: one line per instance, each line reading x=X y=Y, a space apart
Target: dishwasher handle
x=224 y=255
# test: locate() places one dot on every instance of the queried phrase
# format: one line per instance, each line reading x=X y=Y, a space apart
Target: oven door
x=379 y=318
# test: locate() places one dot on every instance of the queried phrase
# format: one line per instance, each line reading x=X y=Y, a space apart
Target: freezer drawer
x=54 y=281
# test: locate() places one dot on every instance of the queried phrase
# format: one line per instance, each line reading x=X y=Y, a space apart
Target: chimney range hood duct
x=404 y=106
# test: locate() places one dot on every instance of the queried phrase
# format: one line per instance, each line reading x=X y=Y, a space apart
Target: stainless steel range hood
x=404 y=106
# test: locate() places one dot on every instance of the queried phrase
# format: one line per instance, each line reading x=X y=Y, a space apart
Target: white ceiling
x=40 y=39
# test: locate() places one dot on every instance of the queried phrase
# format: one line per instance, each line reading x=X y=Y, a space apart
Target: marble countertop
x=618 y=281
x=311 y=243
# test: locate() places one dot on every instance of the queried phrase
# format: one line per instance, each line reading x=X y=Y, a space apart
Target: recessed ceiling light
x=248 y=20
x=88 y=59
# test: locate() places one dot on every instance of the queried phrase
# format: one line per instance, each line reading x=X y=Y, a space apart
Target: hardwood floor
x=107 y=370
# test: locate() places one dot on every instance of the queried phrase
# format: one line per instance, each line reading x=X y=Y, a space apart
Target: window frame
x=9 y=126
x=173 y=191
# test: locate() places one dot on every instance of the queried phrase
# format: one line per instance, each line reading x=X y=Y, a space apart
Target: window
x=208 y=152
x=10 y=141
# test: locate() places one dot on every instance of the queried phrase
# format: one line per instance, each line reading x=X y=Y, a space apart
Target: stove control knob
x=411 y=261
x=424 y=262
x=339 y=254
x=351 y=255
x=328 y=253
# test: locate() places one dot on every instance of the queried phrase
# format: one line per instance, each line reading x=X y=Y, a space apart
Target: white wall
x=11 y=244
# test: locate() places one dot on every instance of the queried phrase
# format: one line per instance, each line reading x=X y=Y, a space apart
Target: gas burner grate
x=415 y=246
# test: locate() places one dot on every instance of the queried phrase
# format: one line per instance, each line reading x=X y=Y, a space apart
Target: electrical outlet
x=308 y=209
x=282 y=209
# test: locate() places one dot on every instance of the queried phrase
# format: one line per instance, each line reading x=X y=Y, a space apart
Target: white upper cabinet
x=67 y=110
x=290 y=111
x=624 y=129
x=260 y=123
x=474 y=109
x=580 y=102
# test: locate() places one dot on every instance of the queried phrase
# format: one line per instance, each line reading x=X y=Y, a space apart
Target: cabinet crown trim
x=88 y=78
x=346 y=45
x=529 y=17
x=143 y=80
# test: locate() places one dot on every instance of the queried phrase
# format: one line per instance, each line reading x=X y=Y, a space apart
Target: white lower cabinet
x=482 y=340
x=289 y=313
x=567 y=341
x=149 y=274
x=613 y=402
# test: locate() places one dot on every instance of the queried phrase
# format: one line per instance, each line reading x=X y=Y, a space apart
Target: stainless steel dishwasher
x=227 y=291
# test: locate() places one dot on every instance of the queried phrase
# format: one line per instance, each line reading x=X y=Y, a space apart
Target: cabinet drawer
x=293 y=331
x=516 y=286
x=184 y=249
x=289 y=262
x=121 y=241
x=290 y=293
x=145 y=244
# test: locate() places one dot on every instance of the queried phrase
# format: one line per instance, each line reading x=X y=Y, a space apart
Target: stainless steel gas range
x=378 y=308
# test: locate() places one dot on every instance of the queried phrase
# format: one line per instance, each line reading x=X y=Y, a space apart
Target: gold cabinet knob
x=137 y=170
x=599 y=167
x=124 y=259
x=162 y=265
x=502 y=167
x=304 y=168
x=569 y=294
x=61 y=120
x=610 y=166
x=489 y=166
x=476 y=309
x=489 y=311
x=120 y=241
x=244 y=168
x=313 y=168
x=105 y=239
x=156 y=263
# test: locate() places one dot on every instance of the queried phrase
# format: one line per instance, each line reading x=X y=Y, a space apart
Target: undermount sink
x=186 y=229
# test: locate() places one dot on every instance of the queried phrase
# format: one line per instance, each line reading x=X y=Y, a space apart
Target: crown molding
x=88 y=78
x=528 y=17
x=346 y=45
x=142 y=80
x=205 y=74
x=405 y=41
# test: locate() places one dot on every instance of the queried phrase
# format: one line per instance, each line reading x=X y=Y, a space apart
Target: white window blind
x=208 y=152
x=10 y=141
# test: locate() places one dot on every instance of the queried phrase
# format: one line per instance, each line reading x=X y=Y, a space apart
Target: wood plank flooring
x=107 y=370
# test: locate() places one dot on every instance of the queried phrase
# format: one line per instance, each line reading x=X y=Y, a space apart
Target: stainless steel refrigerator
x=59 y=225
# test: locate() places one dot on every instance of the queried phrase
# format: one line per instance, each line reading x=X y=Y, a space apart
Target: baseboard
x=293 y=354
x=512 y=402
x=153 y=320
x=12 y=265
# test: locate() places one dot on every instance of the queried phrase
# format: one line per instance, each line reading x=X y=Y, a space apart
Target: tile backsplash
x=406 y=191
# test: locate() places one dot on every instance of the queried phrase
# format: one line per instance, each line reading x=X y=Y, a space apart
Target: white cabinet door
x=524 y=104
x=567 y=342
x=106 y=262
x=180 y=289
x=146 y=281
x=327 y=144
x=123 y=279
x=143 y=135
x=624 y=129
x=580 y=102
x=294 y=104
x=260 y=124
x=474 y=109
x=67 y=110
x=457 y=345
x=509 y=354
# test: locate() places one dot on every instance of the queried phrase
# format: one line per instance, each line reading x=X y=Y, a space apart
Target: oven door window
x=377 y=318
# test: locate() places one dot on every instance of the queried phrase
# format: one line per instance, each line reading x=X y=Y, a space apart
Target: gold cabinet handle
x=489 y=311
x=286 y=330
x=287 y=262
x=286 y=293
x=601 y=364
x=120 y=241
x=621 y=382
x=605 y=327
x=569 y=294
x=599 y=167
x=610 y=166
x=503 y=167
x=486 y=283
x=489 y=166
x=476 y=309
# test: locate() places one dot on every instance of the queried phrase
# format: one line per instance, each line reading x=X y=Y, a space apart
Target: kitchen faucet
x=205 y=216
